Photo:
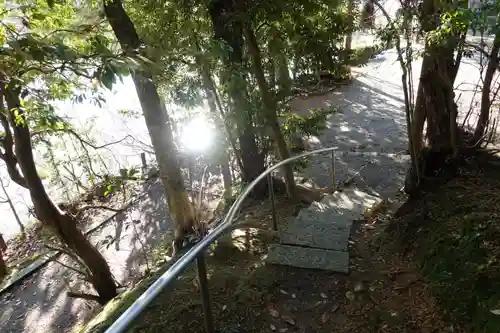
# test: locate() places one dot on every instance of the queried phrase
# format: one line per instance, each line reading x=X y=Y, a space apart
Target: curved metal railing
x=196 y=252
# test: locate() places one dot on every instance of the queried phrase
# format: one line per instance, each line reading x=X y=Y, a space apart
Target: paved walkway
x=39 y=303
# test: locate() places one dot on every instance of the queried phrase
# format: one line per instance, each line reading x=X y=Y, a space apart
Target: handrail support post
x=273 y=201
x=205 y=293
x=334 y=180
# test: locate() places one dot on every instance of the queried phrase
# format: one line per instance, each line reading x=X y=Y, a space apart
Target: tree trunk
x=484 y=115
x=13 y=209
x=158 y=123
x=3 y=266
x=280 y=62
x=228 y=29
x=220 y=119
x=270 y=112
x=62 y=224
x=348 y=39
x=435 y=101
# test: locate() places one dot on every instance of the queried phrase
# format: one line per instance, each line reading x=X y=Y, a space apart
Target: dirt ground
x=382 y=293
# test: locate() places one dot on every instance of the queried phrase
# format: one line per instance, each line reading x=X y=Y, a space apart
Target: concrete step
x=316 y=234
x=314 y=215
x=350 y=203
x=296 y=256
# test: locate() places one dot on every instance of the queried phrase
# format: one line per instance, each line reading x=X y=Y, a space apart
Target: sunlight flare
x=197 y=135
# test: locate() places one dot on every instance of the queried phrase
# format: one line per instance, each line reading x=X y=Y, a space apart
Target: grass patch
x=454 y=235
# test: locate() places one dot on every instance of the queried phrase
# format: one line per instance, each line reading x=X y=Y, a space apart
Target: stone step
x=312 y=215
x=296 y=256
x=320 y=235
x=350 y=202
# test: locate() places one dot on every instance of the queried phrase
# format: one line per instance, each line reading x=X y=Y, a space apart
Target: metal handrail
x=196 y=252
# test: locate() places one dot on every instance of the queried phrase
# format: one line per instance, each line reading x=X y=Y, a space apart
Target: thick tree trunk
x=484 y=115
x=228 y=28
x=434 y=102
x=270 y=111
x=63 y=225
x=158 y=123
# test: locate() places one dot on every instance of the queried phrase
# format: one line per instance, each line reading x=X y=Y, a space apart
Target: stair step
x=350 y=202
x=319 y=234
x=296 y=256
x=310 y=216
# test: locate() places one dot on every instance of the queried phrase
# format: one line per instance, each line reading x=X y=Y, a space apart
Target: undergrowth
x=454 y=236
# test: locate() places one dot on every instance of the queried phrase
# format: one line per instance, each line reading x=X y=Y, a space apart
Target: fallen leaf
x=288 y=320
x=359 y=287
x=274 y=313
x=323 y=295
x=273 y=328
x=224 y=307
x=335 y=308
x=318 y=303
x=496 y=312
x=283 y=292
x=283 y=330
x=349 y=295
x=294 y=296
x=324 y=318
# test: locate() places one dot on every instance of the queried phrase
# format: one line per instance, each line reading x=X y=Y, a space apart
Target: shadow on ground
x=369 y=131
x=40 y=304
x=372 y=120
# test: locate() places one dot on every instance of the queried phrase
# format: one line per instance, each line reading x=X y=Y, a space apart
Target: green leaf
x=108 y=77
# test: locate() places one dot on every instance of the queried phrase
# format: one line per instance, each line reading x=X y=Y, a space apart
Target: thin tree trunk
x=220 y=120
x=3 y=266
x=484 y=114
x=279 y=58
x=158 y=123
x=270 y=112
x=228 y=28
x=348 y=39
x=13 y=209
x=62 y=224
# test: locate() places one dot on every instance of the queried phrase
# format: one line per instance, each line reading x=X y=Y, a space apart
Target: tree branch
x=8 y=155
x=116 y=210
x=84 y=296
x=79 y=137
x=72 y=268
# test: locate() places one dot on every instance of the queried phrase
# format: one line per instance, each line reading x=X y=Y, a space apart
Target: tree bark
x=3 y=266
x=270 y=109
x=348 y=39
x=435 y=99
x=228 y=29
x=278 y=56
x=7 y=143
x=158 y=123
x=62 y=224
x=484 y=114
